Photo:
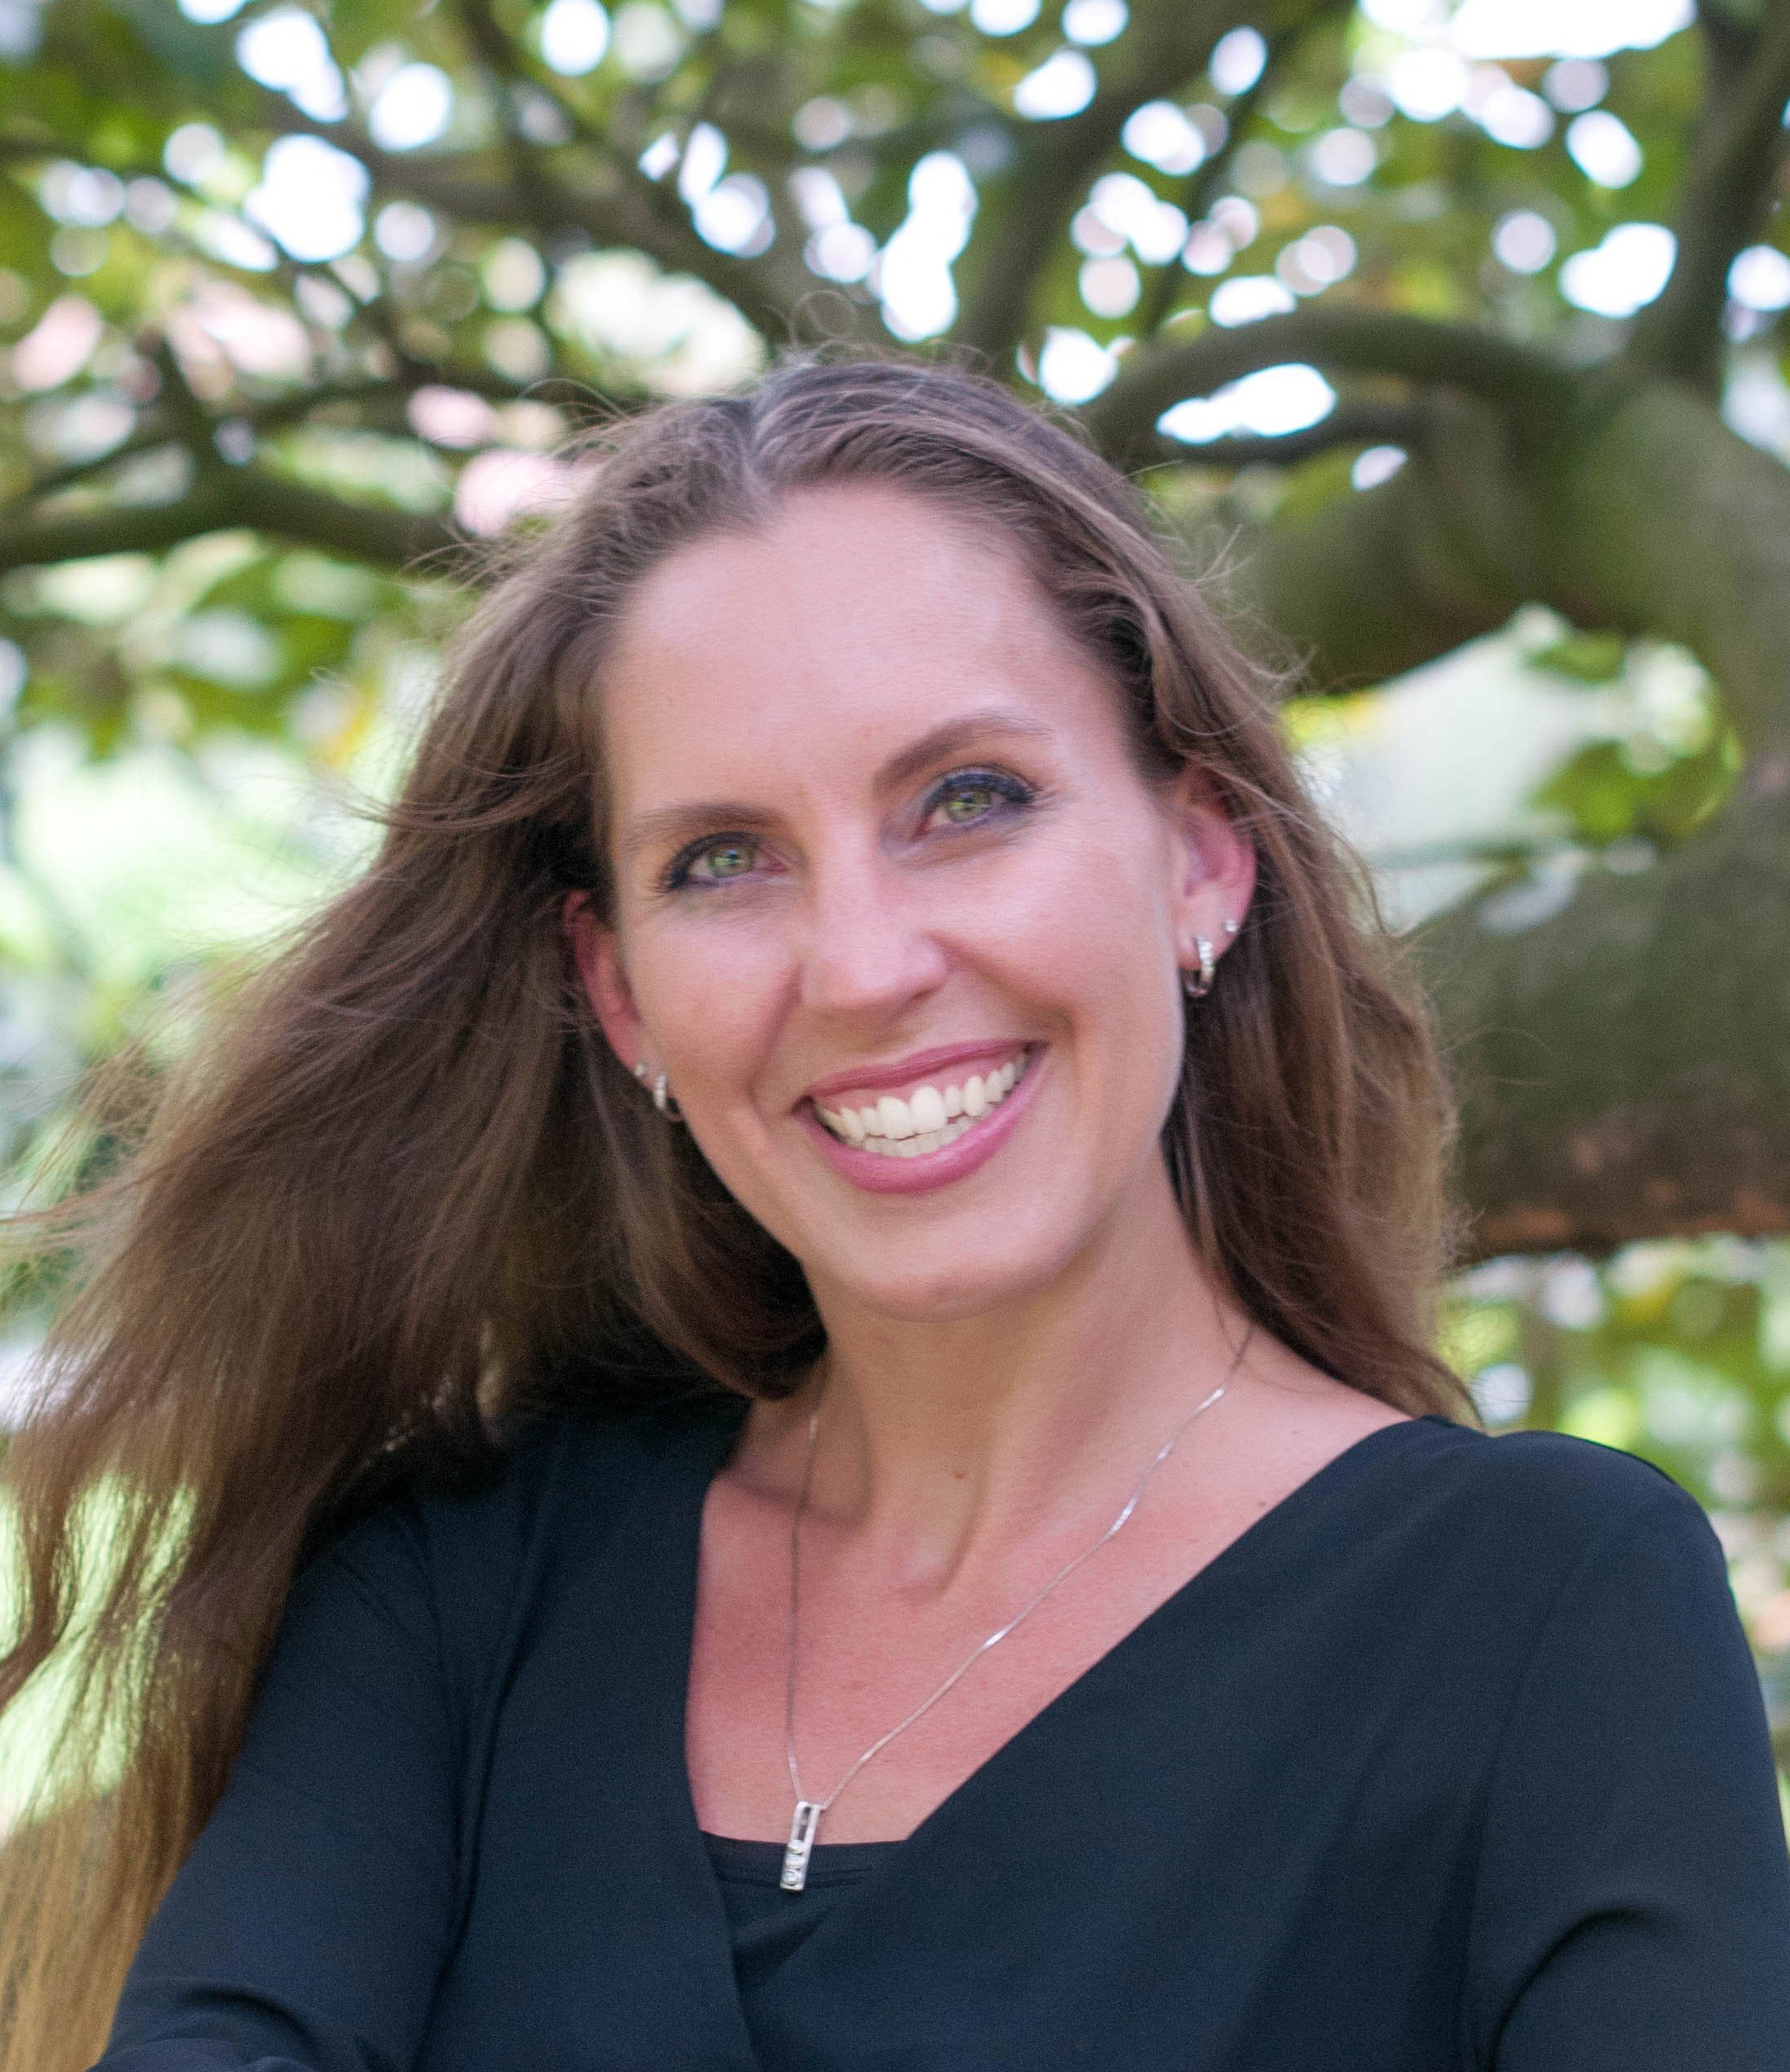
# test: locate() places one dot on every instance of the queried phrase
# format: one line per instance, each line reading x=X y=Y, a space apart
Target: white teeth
x=930 y=1118
x=894 y=1116
x=926 y=1104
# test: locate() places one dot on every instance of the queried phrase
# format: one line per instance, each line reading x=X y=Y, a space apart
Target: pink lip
x=878 y=1173
x=901 y=1075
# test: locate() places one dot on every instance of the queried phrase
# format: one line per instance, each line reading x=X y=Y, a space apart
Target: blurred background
x=1448 y=336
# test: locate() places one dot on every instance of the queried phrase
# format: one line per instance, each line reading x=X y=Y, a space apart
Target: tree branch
x=1054 y=162
x=1371 y=585
x=1640 y=513
x=1653 y=516
x=498 y=58
x=1725 y=198
x=1350 y=424
x=507 y=62
x=382 y=402
x=1169 y=369
x=224 y=498
x=511 y=72
x=150 y=437
x=1205 y=181
x=621 y=206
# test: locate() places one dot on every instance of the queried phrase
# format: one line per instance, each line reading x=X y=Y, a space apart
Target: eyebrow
x=690 y=817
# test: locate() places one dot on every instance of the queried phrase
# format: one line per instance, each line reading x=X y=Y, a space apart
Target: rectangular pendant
x=802 y=1830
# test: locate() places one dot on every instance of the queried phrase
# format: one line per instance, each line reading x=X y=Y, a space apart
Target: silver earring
x=663 y=1101
x=1231 y=928
x=1199 y=984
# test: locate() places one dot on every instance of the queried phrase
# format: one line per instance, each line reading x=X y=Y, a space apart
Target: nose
x=867 y=949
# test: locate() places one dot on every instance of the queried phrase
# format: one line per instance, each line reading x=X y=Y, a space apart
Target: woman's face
x=896 y=912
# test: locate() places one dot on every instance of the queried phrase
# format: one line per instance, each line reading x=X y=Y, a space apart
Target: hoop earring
x=663 y=1099
x=1197 y=985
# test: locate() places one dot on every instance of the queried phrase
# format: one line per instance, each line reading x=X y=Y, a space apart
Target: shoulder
x=1520 y=1515
x=1480 y=1574
x=1535 y=1475
x=461 y=1550
x=578 y=1466
x=600 y=1446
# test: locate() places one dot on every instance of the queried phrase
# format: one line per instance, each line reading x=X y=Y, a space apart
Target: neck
x=938 y=1439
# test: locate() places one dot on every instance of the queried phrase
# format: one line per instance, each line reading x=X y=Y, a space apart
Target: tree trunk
x=1626 y=1062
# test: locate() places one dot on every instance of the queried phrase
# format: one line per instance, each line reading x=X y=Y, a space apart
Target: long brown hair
x=402 y=1189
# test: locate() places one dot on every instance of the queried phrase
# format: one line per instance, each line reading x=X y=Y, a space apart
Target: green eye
x=725 y=859
x=967 y=801
x=718 y=859
x=974 y=798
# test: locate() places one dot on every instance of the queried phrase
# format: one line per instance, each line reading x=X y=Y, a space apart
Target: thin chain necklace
x=805 y=1826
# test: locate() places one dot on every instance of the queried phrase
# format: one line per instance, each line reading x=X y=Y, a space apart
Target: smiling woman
x=771 y=1402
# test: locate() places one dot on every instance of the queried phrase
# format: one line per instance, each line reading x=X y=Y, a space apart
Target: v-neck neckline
x=717 y=1447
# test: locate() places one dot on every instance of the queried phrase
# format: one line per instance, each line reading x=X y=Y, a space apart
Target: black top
x=1456 y=1758
x=767 y=1925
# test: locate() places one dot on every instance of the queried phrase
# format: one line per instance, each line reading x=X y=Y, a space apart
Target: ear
x=1213 y=865
x=596 y=957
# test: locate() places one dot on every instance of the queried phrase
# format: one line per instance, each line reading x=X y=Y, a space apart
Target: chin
x=950 y=1284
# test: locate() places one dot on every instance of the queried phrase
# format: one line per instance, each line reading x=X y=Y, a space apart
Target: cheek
x=1088 y=923
x=710 y=990
x=715 y=994
x=1100 y=946
x=1076 y=946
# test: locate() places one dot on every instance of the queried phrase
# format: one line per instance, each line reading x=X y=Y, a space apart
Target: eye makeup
x=1012 y=794
x=680 y=872
x=1008 y=795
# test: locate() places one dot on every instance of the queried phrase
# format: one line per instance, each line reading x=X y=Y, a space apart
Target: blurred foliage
x=1669 y=760
x=168 y=336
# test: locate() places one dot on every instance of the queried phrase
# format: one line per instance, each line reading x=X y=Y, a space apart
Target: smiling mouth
x=929 y=1119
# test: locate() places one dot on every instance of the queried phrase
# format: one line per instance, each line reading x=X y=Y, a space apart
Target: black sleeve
x=307 y=1928
x=1633 y=1909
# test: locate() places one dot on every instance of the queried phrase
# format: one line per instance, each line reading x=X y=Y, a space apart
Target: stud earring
x=1231 y=928
x=1199 y=984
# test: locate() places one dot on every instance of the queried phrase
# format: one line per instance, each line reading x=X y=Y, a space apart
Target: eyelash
x=1013 y=793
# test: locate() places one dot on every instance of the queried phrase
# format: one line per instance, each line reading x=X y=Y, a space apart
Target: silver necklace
x=805 y=1826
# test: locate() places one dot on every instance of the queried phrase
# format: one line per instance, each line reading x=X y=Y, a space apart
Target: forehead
x=858 y=619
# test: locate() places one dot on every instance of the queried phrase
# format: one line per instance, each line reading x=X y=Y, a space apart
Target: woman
x=821 y=1277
